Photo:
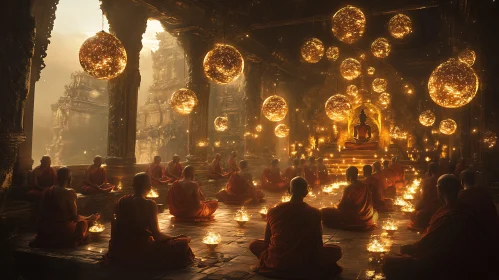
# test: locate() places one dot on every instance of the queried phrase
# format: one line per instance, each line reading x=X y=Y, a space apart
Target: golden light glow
x=349 y=24
x=333 y=53
x=103 y=56
x=202 y=143
x=448 y=126
x=221 y=123
x=400 y=26
x=350 y=69
x=389 y=224
x=467 y=56
x=241 y=215
x=453 y=84
x=281 y=131
x=334 y=186
x=400 y=201
x=223 y=64
x=408 y=208
x=377 y=245
x=352 y=91
x=183 y=101
x=312 y=50
x=338 y=108
x=152 y=193
x=379 y=85
x=397 y=133
x=490 y=139
x=371 y=70
x=264 y=210
x=427 y=118
x=408 y=89
x=285 y=198
x=384 y=99
x=408 y=196
x=97 y=227
x=275 y=108
x=259 y=128
x=217 y=144
x=380 y=48
x=212 y=238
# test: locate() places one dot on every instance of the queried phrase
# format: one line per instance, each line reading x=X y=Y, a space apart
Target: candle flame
x=241 y=215
x=408 y=208
x=212 y=238
x=377 y=245
x=334 y=186
x=408 y=196
x=264 y=210
x=390 y=225
x=120 y=186
x=152 y=193
x=285 y=198
x=400 y=201
x=97 y=227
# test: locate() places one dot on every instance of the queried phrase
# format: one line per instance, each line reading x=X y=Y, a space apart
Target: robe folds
x=232 y=165
x=272 y=180
x=175 y=170
x=293 y=246
x=156 y=171
x=45 y=178
x=97 y=176
x=239 y=191
x=132 y=243
x=426 y=207
x=183 y=205
x=215 y=171
x=380 y=203
x=310 y=173
x=292 y=172
x=355 y=210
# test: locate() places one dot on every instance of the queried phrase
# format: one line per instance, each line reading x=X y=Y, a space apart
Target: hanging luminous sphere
x=380 y=48
x=384 y=99
x=349 y=24
x=223 y=64
x=275 y=108
x=371 y=70
x=333 y=53
x=467 y=56
x=183 y=101
x=408 y=89
x=259 y=128
x=427 y=118
x=490 y=139
x=448 y=126
x=400 y=26
x=312 y=50
x=453 y=84
x=350 y=69
x=352 y=91
x=379 y=85
x=221 y=123
x=103 y=56
x=338 y=107
x=281 y=131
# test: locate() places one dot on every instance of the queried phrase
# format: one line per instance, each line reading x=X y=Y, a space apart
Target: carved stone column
x=127 y=22
x=252 y=105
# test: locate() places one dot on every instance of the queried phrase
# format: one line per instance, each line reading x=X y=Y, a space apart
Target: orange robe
x=293 y=244
x=272 y=180
x=215 y=171
x=292 y=172
x=451 y=248
x=397 y=170
x=186 y=206
x=427 y=206
x=59 y=225
x=46 y=178
x=311 y=175
x=156 y=171
x=355 y=210
x=380 y=203
x=239 y=191
x=132 y=243
x=323 y=174
x=97 y=176
x=232 y=165
x=176 y=170
x=389 y=175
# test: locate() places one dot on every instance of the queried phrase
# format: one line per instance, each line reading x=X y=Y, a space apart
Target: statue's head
x=363 y=116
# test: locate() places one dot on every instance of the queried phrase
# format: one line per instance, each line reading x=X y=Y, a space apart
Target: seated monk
x=136 y=240
x=215 y=169
x=293 y=246
x=310 y=171
x=380 y=203
x=322 y=172
x=293 y=171
x=450 y=248
x=240 y=189
x=96 y=179
x=429 y=202
x=186 y=201
x=156 y=172
x=231 y=163
x=355 y=210
x=59 y=225
x=398 y=175
x=173 y=170
x=42 y=177
x=362 y=135
x=271 y=178
x=390 y=179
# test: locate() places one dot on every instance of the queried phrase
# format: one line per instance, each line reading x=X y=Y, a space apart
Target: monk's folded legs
x=330 y=255
x=331 y=217
x=257 y=247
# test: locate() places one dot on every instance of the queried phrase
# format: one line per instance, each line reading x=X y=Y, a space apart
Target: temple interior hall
x=249 y=139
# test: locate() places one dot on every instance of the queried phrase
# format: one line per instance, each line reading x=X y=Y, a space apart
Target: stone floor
x=231 y=260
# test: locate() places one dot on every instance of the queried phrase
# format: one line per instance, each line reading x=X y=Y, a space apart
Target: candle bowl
x=161 y=207
x=211 y=247
x=96 y=234
x=241 y=223
x=390 y=232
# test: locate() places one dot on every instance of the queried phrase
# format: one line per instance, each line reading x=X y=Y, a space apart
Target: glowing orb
x=275 y=108
x=400 y=26
x=408 y=89
x=489 y=139
x=448 y=126
x=338 y=107
x=221 y=123
x=380 y=48
x=183 y=101
x=312 y=50
x=259 y=128
x=349 y=24
x=379 y=85
x=453 y=84
x=352 y=91
x=281 y=131
x=427 y=118
x=467 y=56
x=333 y=53
x=350 y=69
x=103 y=56
x=223 y=64
x=371 y=70
x=384 y=99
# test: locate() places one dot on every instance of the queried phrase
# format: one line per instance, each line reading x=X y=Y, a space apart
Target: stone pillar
x=127 y=22
x=252 y=105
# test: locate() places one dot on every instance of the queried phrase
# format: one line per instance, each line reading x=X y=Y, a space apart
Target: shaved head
x=352 y=173
x=368 y=170
x=377 y=166
x=46 y=161
x=141 y=183
x=189 y=172
x=298 y=187
x=448 y=187
x=64 y=176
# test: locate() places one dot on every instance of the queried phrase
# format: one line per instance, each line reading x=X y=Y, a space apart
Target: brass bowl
x=211 y=247
x=161 y=207
x=241 y=223
x=96 y=234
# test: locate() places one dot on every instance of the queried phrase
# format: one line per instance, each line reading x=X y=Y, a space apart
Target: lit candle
x=285 y=198
x=264 y=212
x=212 y=239
x=241 y=216
x=152 y=193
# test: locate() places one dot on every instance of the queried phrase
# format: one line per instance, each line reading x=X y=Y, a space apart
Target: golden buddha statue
x=362 y=136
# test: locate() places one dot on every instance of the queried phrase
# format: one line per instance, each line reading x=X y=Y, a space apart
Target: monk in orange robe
x=59 y=225
x=355 y=210
x=390 y=189
x=96 y=179
x=156 y=172
x=186 y=201
x=379 y=175
x=215 y=169
x=42 y=177
x=271 y=178
x=429 y=202
x=293 y=171
x=322 y=172
x=397 y=170
x=231 y=163
x=293 y=246
x=173 y=170
x=136 y=240
x=240 y=188
x=450 y=248
x=310 y=171
x=380 y=203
